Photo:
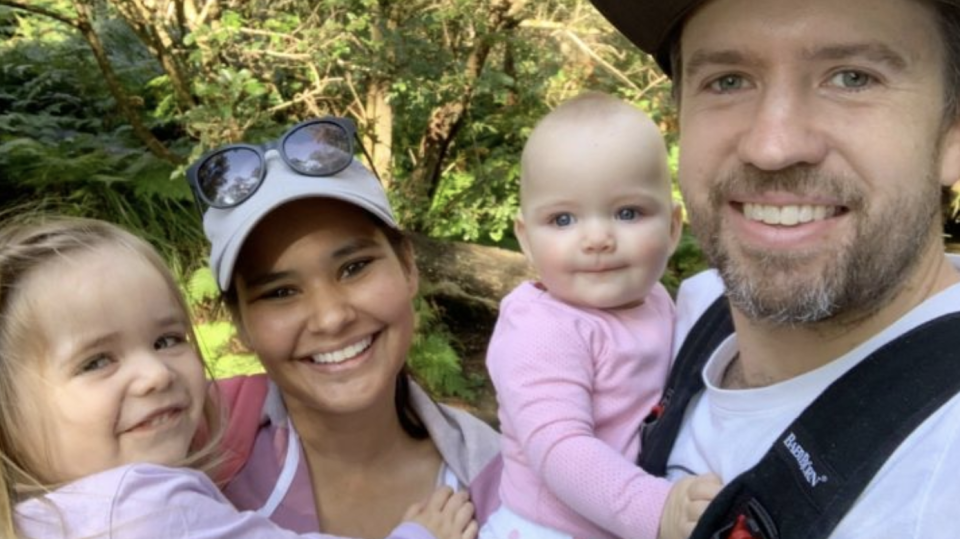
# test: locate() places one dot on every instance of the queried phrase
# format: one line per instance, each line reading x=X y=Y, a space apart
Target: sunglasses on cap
x=226 y=177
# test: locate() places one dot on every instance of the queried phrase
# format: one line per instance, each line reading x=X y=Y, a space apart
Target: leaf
x=202 y=286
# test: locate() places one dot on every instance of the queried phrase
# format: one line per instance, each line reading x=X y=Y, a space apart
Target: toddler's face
x=598 y=221
x=116 y=380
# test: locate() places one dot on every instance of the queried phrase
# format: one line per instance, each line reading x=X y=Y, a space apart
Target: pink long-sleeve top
x=573 y=386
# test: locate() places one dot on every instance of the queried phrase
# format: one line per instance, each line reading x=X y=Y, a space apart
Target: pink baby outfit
x=573 y=385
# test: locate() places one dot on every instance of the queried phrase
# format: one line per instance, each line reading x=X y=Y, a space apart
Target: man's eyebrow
x=728 y=57
x=873 y=51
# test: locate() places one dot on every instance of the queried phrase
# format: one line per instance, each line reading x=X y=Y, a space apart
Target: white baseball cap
x=228 y=228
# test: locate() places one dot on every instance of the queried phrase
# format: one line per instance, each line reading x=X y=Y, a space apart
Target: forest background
x=104 y=102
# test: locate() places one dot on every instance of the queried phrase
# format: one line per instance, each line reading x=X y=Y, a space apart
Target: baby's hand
x=687 y=501
x=446 y=514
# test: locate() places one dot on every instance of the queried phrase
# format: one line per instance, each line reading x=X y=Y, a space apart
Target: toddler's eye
x=563 y=219
x=169 y=341
x=95 y=363
x=628 y=214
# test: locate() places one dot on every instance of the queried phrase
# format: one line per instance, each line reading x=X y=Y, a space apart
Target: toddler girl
x=102 y=394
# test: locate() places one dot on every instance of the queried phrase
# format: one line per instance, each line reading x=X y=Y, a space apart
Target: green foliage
x=64 y=149
x=216 y=334
x=686 y=261
x=433 y=359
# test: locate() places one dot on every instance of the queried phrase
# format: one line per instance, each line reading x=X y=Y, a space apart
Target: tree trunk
x=446 y=120
x=85 y=26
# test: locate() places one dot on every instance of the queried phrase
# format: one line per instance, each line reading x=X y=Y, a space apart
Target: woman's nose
x=330 y=311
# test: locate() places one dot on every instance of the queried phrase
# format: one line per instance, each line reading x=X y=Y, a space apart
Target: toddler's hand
x=687 y=501
x=446 y=514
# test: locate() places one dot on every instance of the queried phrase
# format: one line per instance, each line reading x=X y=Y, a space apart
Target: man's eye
x=851 y=79
x=727 y=83
x=628 y=214
x=562 y=219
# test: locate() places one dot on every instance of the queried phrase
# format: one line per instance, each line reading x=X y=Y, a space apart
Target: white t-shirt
x=916 y=494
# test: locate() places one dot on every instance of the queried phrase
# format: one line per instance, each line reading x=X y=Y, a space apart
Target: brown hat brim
x=649 y=24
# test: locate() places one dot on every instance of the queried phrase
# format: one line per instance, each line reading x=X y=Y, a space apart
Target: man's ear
x=950 y=156
x=520 y=231
x=676 y=226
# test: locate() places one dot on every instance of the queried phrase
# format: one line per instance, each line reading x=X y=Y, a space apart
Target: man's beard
x=844 y=281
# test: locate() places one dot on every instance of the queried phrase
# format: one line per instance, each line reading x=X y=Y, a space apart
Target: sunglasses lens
x=227 y=178
x=319 y=149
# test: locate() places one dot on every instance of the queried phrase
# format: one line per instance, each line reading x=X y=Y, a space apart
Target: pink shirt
x=265 y=469
x=139 y=501
x=573 y=386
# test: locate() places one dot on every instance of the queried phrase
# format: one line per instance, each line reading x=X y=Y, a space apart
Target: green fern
x=434 y=360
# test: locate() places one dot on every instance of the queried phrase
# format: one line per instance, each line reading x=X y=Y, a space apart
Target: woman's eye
x=352 y=268
x=562 y=219
x=727 y=83
x=169 y=341
x=95 y=363
x=628 y=214
x=851 y=79
x=277 y=293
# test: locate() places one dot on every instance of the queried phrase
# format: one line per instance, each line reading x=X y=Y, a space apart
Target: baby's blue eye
x=628 y=214
x=563 y=219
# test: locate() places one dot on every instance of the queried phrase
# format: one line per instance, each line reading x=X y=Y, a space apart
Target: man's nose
x=783 y=129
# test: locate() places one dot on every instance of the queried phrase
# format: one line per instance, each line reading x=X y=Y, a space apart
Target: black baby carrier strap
x=819 y=465
x=660 y=428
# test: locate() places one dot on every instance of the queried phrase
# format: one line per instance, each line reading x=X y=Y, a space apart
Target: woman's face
x=325 y=302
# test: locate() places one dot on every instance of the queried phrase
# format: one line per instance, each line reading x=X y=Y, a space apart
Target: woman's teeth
x=787 y=215
x=345 y=353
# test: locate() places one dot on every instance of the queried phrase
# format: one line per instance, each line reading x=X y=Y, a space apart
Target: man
x=815 y=138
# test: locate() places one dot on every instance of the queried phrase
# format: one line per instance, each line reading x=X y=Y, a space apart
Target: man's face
x=811 y=150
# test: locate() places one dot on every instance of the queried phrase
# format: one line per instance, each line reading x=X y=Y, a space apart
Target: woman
x=320 y=281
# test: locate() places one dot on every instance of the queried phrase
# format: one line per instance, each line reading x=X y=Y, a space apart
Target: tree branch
x=41 y=11
x=596 y=58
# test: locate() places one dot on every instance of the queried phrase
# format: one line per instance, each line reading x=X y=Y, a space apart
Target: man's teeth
x=343 y=354
x=787 y=215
